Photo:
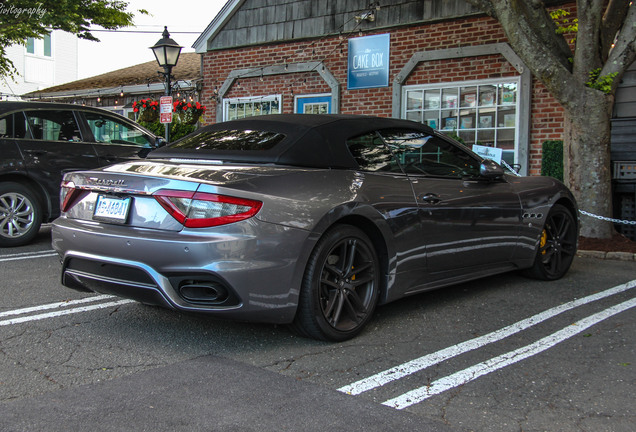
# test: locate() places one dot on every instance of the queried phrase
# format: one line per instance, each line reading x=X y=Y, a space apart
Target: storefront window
x=239 y=108
x=483 y=112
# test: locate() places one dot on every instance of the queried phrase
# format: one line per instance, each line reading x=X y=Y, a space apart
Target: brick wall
x=547 y=114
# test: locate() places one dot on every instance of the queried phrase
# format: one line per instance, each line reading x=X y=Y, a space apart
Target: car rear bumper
x=248 y=271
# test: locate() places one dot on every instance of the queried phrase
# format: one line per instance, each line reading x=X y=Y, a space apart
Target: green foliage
x=602 y=83
x=177 y=129
x=564 y=25
x=552 y=159
x=23 y=19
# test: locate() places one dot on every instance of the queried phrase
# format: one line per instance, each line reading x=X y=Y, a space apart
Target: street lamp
x=167 y=52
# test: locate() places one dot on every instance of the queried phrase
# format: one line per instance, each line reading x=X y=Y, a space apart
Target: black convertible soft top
x=310 y=140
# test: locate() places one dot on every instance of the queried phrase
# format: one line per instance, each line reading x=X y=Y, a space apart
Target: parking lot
x=504 y=353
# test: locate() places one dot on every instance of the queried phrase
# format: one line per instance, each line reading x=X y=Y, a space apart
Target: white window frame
x=312 y=95
x=467 y=111
x=252 y=99
x=38 y=48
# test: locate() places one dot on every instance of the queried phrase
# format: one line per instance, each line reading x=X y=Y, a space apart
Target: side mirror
x=490 y=169
x=160 y=142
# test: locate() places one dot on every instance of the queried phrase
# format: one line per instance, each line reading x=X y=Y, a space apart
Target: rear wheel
x=557 y=245
x=20 y=214
x=340 y=287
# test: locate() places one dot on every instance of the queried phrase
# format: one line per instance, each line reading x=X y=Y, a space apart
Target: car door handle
x=110 y=158
x=430 y=198
x=35 y=152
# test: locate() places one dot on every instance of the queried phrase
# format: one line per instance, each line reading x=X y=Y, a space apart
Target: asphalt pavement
x=504 y=353
x=208 y=393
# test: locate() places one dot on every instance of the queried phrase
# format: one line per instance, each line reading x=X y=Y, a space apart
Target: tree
x=583 y=81
x=23 y=19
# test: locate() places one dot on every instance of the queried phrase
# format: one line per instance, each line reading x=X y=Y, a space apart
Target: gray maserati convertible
x=309 y=220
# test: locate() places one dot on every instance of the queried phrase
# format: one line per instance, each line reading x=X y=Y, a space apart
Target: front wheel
x=557 y=245
x=340 y=287
x=20 y=214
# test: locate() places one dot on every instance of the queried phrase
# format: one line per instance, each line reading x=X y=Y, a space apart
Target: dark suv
x=41 y=141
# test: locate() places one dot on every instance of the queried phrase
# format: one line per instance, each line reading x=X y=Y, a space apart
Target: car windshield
x=233 y=140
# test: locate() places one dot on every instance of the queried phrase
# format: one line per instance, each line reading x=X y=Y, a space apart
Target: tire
x=20 y=214
x=557 y=245
x=340 y=286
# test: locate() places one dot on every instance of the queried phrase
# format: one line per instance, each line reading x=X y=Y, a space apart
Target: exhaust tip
x=202 y=292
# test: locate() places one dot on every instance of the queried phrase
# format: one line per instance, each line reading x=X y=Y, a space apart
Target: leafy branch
x=602 y=83
x=564 y=25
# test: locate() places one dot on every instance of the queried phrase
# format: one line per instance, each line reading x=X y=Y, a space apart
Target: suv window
x=13 y=126
x=110 y=130
x=53 y=125
x=424 y=154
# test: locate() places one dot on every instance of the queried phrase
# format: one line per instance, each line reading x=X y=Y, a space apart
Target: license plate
x=112 y=209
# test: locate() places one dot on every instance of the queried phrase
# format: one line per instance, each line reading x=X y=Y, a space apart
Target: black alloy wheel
x=557 y=245
x=341 y=286
x=20 y=214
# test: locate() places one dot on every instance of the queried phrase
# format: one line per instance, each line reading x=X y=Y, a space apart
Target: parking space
x=503 y=353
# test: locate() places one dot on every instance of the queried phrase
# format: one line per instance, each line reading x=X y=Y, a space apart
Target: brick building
x=447 y=64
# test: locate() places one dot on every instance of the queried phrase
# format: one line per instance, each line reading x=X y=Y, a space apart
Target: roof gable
x=251 y=22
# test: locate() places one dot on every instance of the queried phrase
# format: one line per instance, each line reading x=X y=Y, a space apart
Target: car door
x=116 y=139
x=11 y=161
x=52 y=146
x=469 y=223
x=389 y=191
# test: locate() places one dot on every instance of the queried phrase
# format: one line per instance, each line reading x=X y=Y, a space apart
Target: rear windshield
x=233 y=140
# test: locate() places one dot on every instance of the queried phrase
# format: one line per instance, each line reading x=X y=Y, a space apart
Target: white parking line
x=64 y=312
x=469 y=374
x=55 y=305
x=28 y=255
x=65 y=307
x=429 y=360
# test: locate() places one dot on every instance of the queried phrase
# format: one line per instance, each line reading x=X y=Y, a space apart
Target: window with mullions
x=239 y=108
x=482 y=113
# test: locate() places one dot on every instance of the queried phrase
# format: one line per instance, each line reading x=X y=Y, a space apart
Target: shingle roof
x=187 y=68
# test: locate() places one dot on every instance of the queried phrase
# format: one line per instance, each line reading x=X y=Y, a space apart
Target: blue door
x=313 y=104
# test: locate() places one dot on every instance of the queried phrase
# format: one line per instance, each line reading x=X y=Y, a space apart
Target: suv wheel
x=20 y=214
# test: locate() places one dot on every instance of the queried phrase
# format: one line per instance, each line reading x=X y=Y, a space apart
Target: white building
x=41 y=63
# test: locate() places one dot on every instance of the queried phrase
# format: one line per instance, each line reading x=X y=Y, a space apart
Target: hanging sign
x=488 y=152
x=165 y=109
x=369 y=62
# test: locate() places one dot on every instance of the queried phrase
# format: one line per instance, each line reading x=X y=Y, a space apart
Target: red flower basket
x=147 y=110
x=188 y=112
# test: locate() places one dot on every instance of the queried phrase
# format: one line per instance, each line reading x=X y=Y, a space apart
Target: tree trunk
x=587 y=160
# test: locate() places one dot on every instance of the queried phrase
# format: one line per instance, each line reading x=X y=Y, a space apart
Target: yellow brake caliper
x=543 y=241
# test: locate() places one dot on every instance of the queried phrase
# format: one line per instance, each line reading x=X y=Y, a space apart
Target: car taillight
x=201 y=210
x=70 y=195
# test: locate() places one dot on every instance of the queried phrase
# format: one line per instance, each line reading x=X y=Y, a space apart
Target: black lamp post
x=167 y=52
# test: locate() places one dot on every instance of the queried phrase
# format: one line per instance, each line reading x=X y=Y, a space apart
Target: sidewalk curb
x=620 y=256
